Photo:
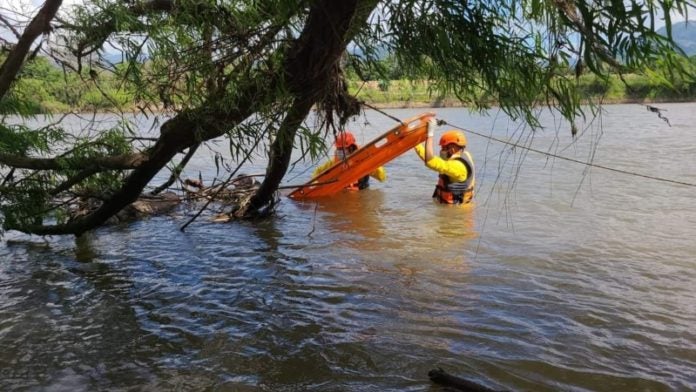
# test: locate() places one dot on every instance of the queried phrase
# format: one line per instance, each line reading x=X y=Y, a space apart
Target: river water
x=558 y=277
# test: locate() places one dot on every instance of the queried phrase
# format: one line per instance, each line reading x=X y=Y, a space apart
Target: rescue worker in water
x=346 y=145
x=455 y=166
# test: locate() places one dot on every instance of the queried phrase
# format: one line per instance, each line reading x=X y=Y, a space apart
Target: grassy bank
x=631 y=88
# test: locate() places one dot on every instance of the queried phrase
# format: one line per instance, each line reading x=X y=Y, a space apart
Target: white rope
x=516 y=145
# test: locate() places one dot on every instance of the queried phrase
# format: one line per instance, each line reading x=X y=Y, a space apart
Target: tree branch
x=39 y=25
x=10 y=26
x=114 y=162
x=153 y=5
x=67 y=184
x=568 y=10
x=177 y=170
x=95 y=37
x=190 y=127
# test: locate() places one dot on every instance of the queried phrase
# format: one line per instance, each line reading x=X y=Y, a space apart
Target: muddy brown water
x=556 y=278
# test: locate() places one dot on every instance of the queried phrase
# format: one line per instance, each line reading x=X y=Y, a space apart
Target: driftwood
x=441 y=377
x=145 y=205
x=235 y=193
x=231 y=194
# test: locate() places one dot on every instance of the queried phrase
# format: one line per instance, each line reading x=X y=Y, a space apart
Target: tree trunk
x=308 y=72
x=281 y=150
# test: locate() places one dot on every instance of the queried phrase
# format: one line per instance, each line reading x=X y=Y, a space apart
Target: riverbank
x=45 y=90
x=459 y=104
x=385 y=94
x=632 y=89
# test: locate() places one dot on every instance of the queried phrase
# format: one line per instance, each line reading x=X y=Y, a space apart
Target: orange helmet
x=453 y=137
x=345 y=139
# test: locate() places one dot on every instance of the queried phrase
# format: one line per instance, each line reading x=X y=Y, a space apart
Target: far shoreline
x=379 y=105
x=457 y=104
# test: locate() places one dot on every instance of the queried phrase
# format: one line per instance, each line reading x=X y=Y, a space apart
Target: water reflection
x=455 y=221
x=85 y=250
x=356 y=213
x=68 y=314
x=305 y=314
x=368 y=215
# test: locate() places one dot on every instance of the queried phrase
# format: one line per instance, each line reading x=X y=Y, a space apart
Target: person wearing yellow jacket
x=455 y=166
x=346 y=145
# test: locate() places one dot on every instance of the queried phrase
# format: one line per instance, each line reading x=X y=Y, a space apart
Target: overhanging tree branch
x=40 y=24
x=115 y=162
x=96 y=35
x=10 y=26
x=190 y=127
x=76 y=179
x=568 y=10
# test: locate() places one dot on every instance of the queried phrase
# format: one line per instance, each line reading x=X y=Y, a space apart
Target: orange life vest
x=449 y=192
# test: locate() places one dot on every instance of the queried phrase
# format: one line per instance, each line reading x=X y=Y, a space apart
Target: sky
x=19 y=9
x=9 y=9
x=28 y=5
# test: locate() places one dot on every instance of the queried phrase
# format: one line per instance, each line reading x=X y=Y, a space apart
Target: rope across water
x=516 y=145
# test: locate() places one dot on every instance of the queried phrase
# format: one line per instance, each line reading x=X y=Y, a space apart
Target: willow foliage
x=251 y=71
x=519 y=54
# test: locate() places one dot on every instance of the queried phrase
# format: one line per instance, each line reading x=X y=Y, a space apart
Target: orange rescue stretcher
x=366 y=159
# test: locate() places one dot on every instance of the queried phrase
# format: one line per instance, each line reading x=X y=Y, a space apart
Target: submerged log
x=147 y=205
x=441 y=377
x=143 y=206
x=229 y=194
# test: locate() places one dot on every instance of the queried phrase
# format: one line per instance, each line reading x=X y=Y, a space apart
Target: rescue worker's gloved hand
x=432 y=124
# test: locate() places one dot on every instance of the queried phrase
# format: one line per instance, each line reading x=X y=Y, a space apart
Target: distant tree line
x=43 y=87
x=387 y=82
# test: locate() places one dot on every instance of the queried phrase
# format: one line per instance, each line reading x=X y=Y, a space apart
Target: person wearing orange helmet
x=455 y=166
x=345 y=145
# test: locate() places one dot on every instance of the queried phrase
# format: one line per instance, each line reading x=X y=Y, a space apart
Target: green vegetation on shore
x=45 y=88
x=613 y=89
x=42 y=87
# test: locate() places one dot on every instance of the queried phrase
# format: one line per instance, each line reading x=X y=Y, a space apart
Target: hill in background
x=684 y=34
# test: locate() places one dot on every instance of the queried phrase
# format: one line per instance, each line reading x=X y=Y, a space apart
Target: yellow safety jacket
x=457 y=176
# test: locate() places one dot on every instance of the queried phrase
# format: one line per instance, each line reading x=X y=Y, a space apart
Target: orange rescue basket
x=366 y=159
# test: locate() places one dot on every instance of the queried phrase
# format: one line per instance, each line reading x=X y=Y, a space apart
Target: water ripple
x=555 y=282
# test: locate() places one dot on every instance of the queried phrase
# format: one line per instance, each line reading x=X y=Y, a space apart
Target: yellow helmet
x=453 y=137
